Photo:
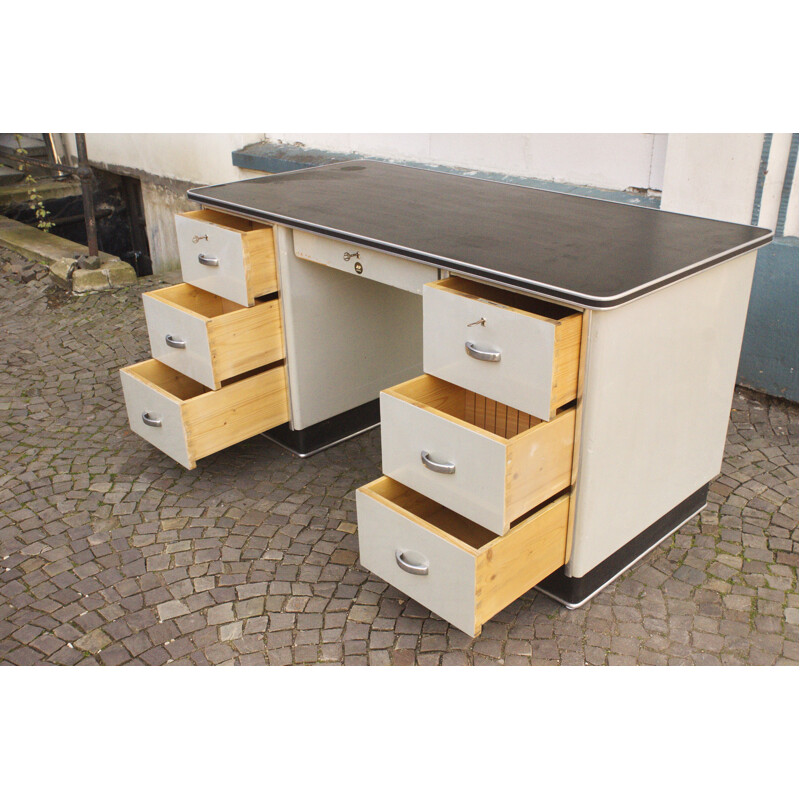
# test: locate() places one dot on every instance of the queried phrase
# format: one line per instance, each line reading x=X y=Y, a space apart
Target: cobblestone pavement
x=110 y=553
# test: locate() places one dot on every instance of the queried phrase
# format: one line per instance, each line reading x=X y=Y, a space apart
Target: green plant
x=35 y=202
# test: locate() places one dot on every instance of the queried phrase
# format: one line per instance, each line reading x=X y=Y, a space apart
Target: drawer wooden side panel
x=260 y=262
x=566 y=361
x=513 y=565
x=374 y=265
x=236 y=412
x=539 y=464
x=246 y=339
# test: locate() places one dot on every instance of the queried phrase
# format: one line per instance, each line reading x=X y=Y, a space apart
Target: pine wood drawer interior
x=227 y=255
x=209 y=338
x=484 y=460
x=188 y=421
x=449 y=564
x=517 y=350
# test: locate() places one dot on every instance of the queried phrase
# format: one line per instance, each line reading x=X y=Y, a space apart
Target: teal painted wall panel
x=769 y=361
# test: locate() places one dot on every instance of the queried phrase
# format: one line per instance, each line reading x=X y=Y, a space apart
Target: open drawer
x=450 y=565
x=512 y=348
x=187 y=421
x=209 y=338
x=482 y=459
x=227 y=255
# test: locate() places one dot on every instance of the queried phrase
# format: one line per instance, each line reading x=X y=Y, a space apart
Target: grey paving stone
x=94 y=641
x=220 y=614
x=252 y=557
x=233 y=630
x=172 y=609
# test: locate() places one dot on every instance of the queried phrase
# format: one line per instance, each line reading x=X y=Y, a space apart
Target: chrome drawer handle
x=414 y=569
x=178 y=344
x=153 y=422
x=437 y=466
x=208 y=261
x=481 y=355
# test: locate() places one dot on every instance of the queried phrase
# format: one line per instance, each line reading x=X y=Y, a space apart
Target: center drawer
x=208 y=337
x=451 y=565
x=482 y=459
x=515 y=349
x=362 y=262
x=187 y=421
x=227 y=255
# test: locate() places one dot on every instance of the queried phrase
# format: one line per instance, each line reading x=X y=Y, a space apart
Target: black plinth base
x=328 y=432
x=574 y=592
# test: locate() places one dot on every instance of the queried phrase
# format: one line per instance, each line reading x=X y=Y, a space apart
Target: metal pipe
x=85 y=174
x=107 y=212
x=52 y=152
x=35 y=162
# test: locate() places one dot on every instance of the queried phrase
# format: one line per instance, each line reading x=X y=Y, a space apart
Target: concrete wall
x=199 y=158
x=167 y=164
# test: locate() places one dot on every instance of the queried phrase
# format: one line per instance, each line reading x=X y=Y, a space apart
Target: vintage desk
x=553 y=373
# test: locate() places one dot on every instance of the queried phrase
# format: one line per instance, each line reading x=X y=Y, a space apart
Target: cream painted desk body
x=656 y=380
x=531 y=435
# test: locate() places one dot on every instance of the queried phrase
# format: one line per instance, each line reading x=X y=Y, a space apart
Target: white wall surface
x=773 y=180
x=712 y=175
x=196 y=157
x=605 y=160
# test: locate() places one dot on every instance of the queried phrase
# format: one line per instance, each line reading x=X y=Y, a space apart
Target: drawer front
x=364 y=263
x=521 y=374
x=223 y=272
x=169 y=327
x=192 y=422
x=477 y=486
x=209 y=338
x=169 y=434
x=450 y=565
x=448 y=588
